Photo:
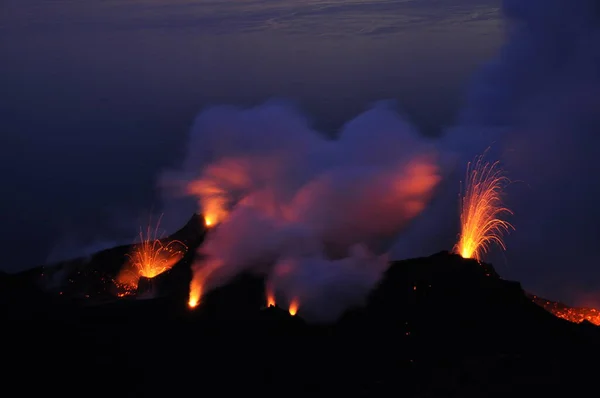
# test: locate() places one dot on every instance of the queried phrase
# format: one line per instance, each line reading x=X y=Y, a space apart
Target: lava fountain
x=481 y=209
x=150 y=258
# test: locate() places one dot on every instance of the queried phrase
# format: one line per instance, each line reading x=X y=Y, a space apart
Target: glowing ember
x=578 y=315
x=481 y=208
x=149 y=258
x=294 y=304
x=571 y=314
x=208 y=221
x=124 y=290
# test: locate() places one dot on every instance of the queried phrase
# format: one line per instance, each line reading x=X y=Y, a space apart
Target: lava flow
x=481 y=208
x=571 y=314
x=149 y=258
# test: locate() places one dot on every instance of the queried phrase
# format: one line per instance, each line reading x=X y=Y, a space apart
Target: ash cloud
x=283 y=194
x=540 y=98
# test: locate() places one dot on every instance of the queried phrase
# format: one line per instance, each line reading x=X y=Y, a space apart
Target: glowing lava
x=481 y=208
x=149 y=258
x=194 y=300
x=293 y=309
x=571 y=314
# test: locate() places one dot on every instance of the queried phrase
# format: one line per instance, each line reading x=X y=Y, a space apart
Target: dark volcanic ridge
x=433 y=326
x=93 y=281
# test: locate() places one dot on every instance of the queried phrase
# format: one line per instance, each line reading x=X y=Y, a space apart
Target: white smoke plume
x=326 y=288
x=282 y=193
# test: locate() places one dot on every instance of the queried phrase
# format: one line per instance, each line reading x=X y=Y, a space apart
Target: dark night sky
x=98 y=97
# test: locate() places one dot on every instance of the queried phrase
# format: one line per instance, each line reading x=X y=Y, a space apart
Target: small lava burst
x=200 y=275
x=194 y=300
x=270 y=297
x=213 y=188
x=293 y=309
x=480 y=210
x=196 y=287
x=149 y=258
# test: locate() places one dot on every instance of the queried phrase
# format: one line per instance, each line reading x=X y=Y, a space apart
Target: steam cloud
x=289 y=199
x=326 y=288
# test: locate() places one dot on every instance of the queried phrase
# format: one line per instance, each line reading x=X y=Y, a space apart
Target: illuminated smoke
x=279 y=190
x=321 y=288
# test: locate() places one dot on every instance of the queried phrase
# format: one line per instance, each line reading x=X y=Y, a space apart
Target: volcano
x=437 y=326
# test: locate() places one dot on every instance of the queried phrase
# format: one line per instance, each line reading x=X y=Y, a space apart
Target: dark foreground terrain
x=439 y=326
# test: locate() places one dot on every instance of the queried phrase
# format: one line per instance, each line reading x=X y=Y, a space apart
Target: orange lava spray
x=150 y=258
x=481 y=210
